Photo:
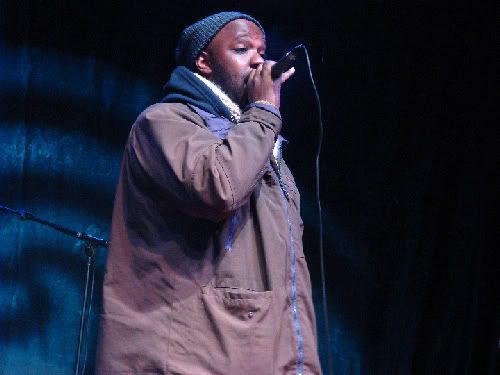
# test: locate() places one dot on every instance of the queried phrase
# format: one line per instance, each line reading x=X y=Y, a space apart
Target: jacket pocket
x=238 y=304
x=242 y=327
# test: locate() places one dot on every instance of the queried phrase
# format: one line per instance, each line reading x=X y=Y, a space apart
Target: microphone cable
x=318 y=202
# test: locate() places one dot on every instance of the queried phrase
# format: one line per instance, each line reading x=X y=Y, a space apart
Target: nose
x=256 y=60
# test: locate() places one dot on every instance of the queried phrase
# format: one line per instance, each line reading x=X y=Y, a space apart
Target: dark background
x=408 y=169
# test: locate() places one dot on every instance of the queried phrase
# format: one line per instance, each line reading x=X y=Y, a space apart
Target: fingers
x=265 y=68
x=284 y=76
x=251 y=76
x=290 y=72
x=261 y=85
x=255 y=77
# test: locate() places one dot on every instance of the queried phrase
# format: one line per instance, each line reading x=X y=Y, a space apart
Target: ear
x=203 y=64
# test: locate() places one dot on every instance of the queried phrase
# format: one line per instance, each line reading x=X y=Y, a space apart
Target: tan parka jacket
x=206 y=272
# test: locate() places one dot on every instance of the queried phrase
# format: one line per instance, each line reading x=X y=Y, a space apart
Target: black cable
x=318 y=201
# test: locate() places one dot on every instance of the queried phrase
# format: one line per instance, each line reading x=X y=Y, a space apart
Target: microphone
x=285 y=61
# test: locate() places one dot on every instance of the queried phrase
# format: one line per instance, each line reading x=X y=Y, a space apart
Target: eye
x=241 y=50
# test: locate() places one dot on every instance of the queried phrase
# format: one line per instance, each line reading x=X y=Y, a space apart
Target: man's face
x=237 y=48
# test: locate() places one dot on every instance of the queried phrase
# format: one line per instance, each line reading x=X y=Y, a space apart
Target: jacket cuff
x=266 y=107
x=263 y=114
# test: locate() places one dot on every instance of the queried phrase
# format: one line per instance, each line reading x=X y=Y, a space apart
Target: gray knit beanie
x=198 y=35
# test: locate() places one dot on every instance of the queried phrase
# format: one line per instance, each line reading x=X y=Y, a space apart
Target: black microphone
x=284 y=63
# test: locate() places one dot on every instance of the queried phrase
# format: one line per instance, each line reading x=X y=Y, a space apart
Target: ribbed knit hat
x=198 y=35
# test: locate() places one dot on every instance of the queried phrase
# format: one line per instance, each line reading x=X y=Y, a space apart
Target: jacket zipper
x=295 y=313
x=230 y=233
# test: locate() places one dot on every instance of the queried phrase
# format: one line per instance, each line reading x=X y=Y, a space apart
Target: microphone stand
x=91 y=244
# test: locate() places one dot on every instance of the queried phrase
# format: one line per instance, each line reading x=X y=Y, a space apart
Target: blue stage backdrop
x=410 y=277
x=60 y=136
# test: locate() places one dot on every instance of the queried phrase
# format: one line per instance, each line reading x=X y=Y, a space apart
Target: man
x=206 y=272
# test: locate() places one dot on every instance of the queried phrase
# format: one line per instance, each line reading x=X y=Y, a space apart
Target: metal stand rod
x=91 y=244
x=25 y=215
x=86 y=306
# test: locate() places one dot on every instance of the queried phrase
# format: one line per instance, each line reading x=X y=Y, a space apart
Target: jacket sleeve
x=184 y=163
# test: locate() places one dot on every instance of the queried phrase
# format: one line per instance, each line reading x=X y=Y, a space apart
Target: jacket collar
x=184 y=87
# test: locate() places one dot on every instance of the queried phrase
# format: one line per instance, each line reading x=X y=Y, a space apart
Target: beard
x=233 y=85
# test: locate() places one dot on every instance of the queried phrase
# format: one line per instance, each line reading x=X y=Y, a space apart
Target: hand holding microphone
x=265 y=81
